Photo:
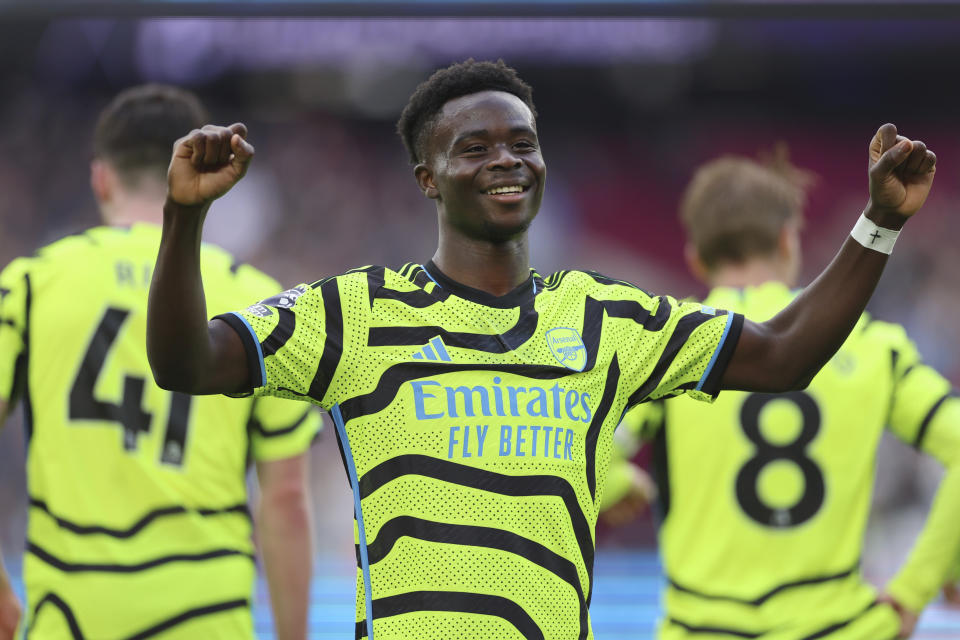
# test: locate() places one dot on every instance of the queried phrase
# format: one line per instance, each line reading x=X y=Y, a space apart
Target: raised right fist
x=206 y=163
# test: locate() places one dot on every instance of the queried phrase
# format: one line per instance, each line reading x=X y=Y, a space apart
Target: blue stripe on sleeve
x=716 y=353
x=256 y=341
x=362 y=542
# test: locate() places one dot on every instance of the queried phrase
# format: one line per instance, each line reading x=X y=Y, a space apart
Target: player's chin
x=502 y=229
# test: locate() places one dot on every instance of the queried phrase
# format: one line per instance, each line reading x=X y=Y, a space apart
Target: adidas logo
x=433 y=350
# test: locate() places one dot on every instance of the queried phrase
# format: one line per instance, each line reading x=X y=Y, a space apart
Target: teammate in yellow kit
x=138 y=523
x=475 y=401
x=766 y=497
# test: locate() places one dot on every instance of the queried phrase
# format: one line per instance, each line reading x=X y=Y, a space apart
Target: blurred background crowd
x=628 y=109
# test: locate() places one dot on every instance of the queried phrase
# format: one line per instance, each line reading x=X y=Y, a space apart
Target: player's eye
x=525 y=145
x=475 y=148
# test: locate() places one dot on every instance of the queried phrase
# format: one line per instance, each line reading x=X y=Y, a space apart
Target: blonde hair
x=735 y=207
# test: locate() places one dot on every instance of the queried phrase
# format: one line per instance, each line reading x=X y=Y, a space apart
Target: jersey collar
x=522 y=294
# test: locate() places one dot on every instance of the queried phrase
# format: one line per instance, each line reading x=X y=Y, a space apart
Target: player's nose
x=504 y=159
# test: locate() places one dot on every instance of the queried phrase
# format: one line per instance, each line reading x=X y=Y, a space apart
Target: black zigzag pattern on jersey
x=139 y=525
x=554 y=279
x=190 y=614
x=458 y=601
x=375 y=279
x=606 y=280
x=257 y=426
x=77 y=567
x=333 y=345
x=927 y=419
x=840 y=625
x=56 y=601
x=737 y=633
x=419 y=276
x=691 y=628
x=596 y=425
x=286 y=324
x=511 y=339
x=416 y=298
x=635 y=311
x=476 y=536
x=399 y=374
x=761 y=599
x=77 y=634
x=685 y=326
x=21 y=375
x=507 y=485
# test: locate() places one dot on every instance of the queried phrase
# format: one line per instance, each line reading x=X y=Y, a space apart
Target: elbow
x=793 y=379
x=170 y=377
x=165 y=380
x=288 y=505
x=802 y=381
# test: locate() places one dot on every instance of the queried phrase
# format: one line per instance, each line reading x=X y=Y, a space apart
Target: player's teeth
x=499 y=190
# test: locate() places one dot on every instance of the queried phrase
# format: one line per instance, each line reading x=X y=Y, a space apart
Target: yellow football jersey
x=138 y=523
x=766 y=496
x=476 y=430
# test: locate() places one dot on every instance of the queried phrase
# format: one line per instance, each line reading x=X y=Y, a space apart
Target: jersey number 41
x=129 y=413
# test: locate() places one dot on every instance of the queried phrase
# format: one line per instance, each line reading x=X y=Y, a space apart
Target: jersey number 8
x=129 y=413
x=766 y=452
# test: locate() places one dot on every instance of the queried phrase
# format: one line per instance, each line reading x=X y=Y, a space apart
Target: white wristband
x=873 y=237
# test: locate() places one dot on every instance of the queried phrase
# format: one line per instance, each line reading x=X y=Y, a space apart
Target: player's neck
x=751 y=273
x=129 y=209
x=497 y=268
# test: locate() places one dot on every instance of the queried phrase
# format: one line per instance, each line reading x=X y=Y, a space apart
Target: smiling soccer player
x=474 y=518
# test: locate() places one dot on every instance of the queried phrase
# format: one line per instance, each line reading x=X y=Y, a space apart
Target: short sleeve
x=687 y=351
x=14 y=298
x=293 y=341
x=282 y=428
x=919 y=393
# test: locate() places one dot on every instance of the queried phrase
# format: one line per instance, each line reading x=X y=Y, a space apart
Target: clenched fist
x=206 y=163
x=901 y=173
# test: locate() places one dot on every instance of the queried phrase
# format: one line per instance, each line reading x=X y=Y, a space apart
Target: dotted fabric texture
x=480 y=463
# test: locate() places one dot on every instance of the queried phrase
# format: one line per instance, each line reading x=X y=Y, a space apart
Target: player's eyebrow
x=482 y=133
x=476 y=133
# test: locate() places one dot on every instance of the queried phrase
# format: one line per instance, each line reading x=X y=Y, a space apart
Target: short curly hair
x=459 y=79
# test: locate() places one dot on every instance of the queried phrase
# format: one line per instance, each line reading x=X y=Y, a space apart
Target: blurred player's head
x=743 y=218
x=131 y=149
x=470 y=129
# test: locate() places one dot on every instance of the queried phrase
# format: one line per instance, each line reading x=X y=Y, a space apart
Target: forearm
x=785 y=352
x=179 y=342
x=813 y=327
x=285 y=538
x=935 y=554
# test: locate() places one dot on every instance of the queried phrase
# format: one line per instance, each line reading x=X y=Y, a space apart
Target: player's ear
x=695 y=264
x=102 y=180
x=789 y=251
x=426 y=182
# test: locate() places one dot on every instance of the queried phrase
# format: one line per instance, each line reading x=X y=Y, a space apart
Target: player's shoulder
x=61 y=254
x=351 y=289
x=15 y=271
x=596 y=285
x=872 y=333
x=221 y=269
x=68 y=247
